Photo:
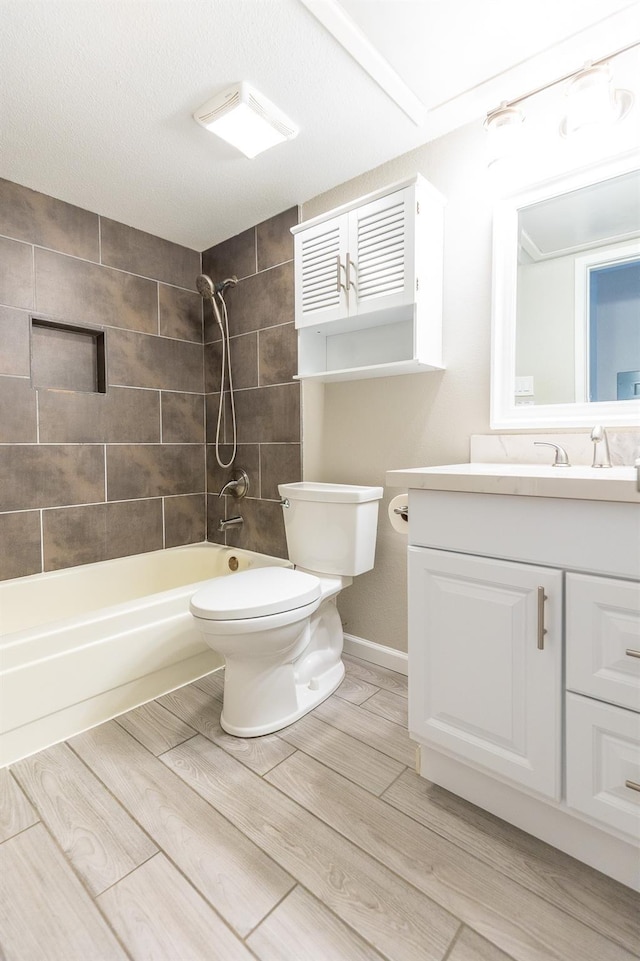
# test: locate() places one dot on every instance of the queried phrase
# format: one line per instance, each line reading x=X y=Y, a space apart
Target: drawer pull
x=542 y=597
x=633 y=785
x=631 y=653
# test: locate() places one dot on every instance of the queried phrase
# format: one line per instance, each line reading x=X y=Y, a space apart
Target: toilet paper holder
x=402 y=511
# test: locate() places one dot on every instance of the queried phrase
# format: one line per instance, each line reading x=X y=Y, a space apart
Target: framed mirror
x=566 y=301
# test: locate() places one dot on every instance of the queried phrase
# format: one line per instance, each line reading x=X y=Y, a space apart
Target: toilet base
x=307 y=695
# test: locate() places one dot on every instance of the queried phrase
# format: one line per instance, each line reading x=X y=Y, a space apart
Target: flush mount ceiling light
x=243 y=117
x=591 y=99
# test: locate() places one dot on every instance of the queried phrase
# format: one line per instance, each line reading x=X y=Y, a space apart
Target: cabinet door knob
x=633 y=785
x=631 y=653
x=542 y=597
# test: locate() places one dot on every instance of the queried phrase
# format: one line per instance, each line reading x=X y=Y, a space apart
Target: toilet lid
x=255 y=593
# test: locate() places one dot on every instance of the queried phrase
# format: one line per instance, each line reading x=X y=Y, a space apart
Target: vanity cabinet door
x=484 y=680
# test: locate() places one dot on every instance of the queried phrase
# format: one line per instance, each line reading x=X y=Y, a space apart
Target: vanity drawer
x=603 y=763
x=603 y=638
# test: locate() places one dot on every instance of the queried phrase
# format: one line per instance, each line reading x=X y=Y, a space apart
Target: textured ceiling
x=96 y=96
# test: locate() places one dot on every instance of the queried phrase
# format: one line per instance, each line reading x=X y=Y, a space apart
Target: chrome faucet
x=598 y=435
x=228 y=522
x=561 y=459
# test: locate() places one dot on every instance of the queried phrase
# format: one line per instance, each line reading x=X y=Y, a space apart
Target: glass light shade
x=503 y=132
x=590 y=99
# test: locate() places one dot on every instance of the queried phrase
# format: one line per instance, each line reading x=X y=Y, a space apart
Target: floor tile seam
x=363 y=851
x=282 y=735
x=328 y=766
x=141 y=743
x=351 y=659
x=340 y=921
x=377 y=713
x=350 y=843
x=199 y=894
x=454 y=941
x=160 y=848
x=511 y=876
x=445 y=837
x=379 y=859
x=356 y=737
x=21 y=831
x=81 y=881
x=118 y=802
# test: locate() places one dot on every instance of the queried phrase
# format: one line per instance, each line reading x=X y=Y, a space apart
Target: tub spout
x=228 y=522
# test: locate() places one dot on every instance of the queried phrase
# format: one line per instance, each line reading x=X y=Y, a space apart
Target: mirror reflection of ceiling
x=607 y=212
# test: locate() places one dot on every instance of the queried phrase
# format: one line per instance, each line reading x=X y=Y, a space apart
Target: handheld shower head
x=205 y=286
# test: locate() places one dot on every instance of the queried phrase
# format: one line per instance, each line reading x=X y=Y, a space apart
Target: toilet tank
x=331 y=528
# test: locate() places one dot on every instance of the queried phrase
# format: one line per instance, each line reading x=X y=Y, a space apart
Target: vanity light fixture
x=503 y=128
x=245 y=118
x=591 y=99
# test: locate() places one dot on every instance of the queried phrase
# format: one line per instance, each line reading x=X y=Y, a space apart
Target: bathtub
x=82 y=645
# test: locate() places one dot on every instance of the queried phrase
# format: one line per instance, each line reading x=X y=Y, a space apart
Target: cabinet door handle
x=633 y=785
x=542 y=597
x=350 y=282
x=631 y=653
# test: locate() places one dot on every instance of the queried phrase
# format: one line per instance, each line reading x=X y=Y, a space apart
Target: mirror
x=566 y=302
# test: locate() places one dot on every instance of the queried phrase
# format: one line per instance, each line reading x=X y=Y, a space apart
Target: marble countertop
x=532 y=480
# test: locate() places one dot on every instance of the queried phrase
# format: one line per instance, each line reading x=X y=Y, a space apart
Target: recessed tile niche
x=66 y=357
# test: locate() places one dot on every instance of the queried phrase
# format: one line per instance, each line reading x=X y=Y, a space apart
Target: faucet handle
x=561 y=459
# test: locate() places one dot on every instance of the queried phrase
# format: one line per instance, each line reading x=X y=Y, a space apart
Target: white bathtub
x=82 y=645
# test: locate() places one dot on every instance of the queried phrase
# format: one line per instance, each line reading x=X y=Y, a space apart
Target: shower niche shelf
x=67 y=357
x=368 y=286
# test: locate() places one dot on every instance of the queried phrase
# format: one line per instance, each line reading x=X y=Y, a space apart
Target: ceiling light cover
x=245 y=118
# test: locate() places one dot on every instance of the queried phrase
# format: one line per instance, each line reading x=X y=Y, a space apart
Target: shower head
x=205 y=286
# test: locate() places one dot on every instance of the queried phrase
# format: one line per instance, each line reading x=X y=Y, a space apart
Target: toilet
x=278 y=628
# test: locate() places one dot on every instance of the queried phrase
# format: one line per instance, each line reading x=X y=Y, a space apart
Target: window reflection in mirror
x=578 y=296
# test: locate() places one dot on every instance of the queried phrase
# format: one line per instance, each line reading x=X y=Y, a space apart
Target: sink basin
x=532 y=480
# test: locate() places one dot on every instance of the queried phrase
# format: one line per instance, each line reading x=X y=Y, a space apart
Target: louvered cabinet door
x=382 y=253
x=320 y=259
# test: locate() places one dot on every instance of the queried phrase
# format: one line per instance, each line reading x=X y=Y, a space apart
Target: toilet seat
x=259 y=592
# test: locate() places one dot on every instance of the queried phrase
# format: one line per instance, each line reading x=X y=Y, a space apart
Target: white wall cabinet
x=368 y=285
x=487 y=705
x=485 y=656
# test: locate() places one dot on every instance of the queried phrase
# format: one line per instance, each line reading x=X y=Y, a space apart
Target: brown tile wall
x=87 y=476
x=264 y=360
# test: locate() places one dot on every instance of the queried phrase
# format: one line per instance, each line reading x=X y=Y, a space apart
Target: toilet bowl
x=278 y=628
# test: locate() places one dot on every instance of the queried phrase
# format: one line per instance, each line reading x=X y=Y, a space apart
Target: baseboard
x=376 y=653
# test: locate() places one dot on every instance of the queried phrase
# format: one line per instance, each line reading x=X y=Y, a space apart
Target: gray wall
x=89 y=476
x=264 y=360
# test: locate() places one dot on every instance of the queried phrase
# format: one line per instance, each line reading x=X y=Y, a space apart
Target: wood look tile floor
x=157 y=836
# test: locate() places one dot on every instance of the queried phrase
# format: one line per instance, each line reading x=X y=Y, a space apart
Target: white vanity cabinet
x=524 y=679
x=603 y=700
x=485 y=656
x=368 y=285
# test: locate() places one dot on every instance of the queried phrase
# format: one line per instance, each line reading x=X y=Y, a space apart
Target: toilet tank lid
x=255 y=593
x=337 y=493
